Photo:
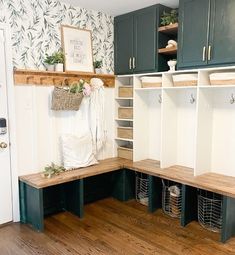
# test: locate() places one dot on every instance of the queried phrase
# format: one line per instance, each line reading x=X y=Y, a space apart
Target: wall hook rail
x=232 y=99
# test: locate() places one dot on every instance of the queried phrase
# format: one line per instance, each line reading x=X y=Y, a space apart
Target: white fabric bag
x=77 y=151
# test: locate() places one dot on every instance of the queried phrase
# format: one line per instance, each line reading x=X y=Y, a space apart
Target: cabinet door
x=193 y=32
x=145 y=32
x=123 y=41
x=222 y=32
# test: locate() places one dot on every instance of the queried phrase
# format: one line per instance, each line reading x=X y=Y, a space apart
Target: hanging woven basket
x=64 y=100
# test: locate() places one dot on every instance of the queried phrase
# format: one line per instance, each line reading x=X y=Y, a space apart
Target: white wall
x=38 y=129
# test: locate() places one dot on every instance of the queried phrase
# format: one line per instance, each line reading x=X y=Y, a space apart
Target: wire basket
x=210 y=210
x=142 y=188
x=172 y=198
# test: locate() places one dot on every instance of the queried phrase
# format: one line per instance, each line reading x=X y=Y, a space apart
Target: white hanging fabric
x=96 y=115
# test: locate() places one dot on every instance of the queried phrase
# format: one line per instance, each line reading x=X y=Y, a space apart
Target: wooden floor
x=112 y=227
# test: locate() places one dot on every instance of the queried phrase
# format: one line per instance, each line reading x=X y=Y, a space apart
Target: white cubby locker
x=147 y=121
x=179 y=115
x=216 y=130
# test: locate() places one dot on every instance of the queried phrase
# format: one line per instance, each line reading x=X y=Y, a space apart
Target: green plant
x=169 y=18
x=98 y=63
x=58 y=57
x=49 y=60
x=52 y=169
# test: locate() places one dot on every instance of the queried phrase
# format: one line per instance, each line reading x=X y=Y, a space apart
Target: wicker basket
x=64 y=100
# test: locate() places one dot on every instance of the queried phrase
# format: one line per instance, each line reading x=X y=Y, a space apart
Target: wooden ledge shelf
x=46 y=78
x=168 y=51
x=169 y=29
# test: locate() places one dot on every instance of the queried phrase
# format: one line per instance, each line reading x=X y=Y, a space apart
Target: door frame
x=12 y=121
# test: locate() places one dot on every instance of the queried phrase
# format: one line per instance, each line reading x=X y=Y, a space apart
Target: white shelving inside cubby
x=216 y=128
x=178 y=127
x=121 y=122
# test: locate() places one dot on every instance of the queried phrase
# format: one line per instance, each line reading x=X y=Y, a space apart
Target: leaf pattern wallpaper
x=35 y=27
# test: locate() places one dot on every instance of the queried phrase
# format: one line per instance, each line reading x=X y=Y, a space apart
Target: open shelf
x=124 y=139
x=168 y=51
x=46 y=78
x=169 y=29
x=147 y=89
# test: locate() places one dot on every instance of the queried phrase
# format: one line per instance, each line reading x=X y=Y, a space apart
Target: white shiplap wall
x=39 y=129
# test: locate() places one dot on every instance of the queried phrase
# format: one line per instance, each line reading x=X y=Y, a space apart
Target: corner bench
x=40 y=196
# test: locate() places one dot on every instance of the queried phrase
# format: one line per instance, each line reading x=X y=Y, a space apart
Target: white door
x=5 y=167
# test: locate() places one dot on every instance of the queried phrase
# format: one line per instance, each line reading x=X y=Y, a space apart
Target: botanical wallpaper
x=35 y=27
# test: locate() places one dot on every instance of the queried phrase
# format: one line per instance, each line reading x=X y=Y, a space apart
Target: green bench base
x=35 y=204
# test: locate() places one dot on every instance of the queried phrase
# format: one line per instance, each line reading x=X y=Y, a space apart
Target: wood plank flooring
x=112 y=227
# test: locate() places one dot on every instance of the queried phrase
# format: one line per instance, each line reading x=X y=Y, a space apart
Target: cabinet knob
x=130 y=66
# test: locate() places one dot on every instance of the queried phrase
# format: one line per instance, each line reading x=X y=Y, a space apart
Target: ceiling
x=117 y=7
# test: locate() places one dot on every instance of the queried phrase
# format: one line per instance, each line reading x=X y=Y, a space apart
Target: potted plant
x=49 y=62
x=98 y=65
x=59 y=61
x=169 y=18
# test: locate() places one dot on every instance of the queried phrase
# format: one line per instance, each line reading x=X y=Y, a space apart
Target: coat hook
x=159 y=99
x=232 y=100
x=192 y=99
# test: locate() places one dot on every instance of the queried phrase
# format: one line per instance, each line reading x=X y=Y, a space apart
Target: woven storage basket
x=64 y=100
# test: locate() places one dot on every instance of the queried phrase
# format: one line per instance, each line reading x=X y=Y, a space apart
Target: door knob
x=3 y=145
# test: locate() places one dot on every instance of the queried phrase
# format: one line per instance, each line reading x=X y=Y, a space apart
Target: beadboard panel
x=39 y=129
x=35 y=30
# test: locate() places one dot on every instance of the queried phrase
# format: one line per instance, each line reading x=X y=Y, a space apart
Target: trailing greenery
x=169 y=18
x=98 y=64
x=52 y=169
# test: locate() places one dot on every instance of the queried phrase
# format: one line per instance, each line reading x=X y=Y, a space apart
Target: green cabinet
x=222 y=32
x=145 y=51
x=206 y=33
x=136 y=41
x=123 y=37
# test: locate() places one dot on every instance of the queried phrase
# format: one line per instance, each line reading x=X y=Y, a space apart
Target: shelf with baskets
x=124 y=120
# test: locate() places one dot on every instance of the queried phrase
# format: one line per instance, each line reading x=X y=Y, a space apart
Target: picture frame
x=77 y=47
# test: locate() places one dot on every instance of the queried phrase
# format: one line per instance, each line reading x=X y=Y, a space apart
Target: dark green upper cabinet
x=123 y=37
x=136 y=41
x=193 y=32
x=222 y=32
x=145 y=26
x=206 y=33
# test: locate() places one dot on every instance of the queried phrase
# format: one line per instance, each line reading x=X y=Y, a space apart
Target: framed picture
x=77 y=45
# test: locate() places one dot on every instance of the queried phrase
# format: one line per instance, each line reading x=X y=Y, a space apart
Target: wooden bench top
x=221 y=184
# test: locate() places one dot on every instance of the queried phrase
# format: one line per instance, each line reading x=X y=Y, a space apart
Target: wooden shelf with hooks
x=46 y=78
